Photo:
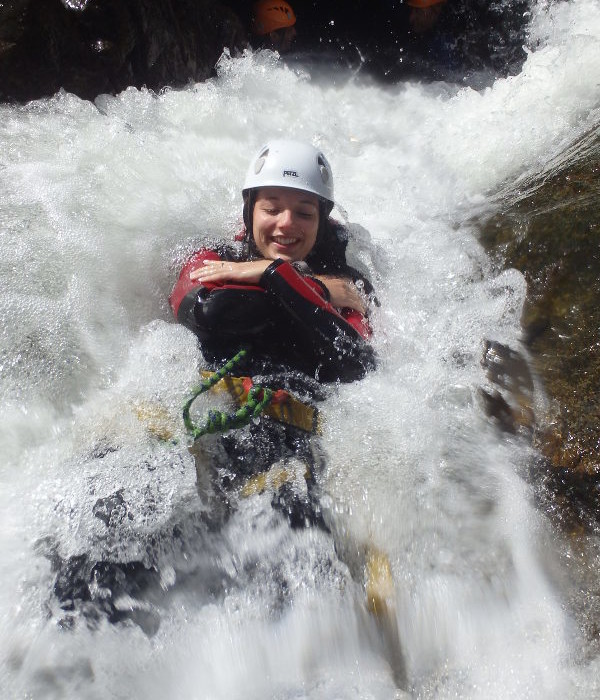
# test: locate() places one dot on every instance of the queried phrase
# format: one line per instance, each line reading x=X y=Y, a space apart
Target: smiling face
x=285 y=223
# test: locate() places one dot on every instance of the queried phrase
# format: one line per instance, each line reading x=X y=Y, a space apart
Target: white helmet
x=284 y=163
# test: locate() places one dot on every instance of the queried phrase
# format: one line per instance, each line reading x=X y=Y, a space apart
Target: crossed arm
x=342 y=292
x=220 y=300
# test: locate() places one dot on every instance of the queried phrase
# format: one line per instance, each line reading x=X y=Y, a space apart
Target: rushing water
x=99 y=205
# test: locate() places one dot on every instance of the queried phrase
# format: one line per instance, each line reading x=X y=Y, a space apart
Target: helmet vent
x=260 y=161
x=323 y=169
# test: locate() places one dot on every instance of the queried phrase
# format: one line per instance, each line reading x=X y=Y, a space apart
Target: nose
x=286 y=218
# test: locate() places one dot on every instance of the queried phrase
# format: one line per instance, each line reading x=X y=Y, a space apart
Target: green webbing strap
x=217 y=421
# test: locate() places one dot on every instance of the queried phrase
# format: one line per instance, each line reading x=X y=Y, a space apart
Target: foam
x=101 y=204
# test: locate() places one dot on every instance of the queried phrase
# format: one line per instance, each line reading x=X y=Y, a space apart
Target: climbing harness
x=217 y=421
x=253 y=401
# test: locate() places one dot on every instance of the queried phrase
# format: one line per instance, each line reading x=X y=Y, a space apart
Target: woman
x=286 y=291
x=287 y=295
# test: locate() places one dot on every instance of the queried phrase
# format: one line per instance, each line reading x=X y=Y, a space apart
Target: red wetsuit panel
x=358 y=321
x=311 y=291
x=185 y=285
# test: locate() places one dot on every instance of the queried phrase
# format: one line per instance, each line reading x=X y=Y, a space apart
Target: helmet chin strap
x=247 y=213
x=248 y=210
x=325 y=208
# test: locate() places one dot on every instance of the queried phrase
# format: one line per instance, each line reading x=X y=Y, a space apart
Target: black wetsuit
x=285 y=321
x=296 y=341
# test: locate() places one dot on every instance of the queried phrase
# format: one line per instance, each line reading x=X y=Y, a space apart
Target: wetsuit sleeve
x=340 y=344
x=219 y=310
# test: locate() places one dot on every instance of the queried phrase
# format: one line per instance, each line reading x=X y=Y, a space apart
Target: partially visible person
x=273 y=22
x=286 y=294
x=424 y=15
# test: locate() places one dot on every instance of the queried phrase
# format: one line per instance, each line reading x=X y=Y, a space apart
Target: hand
x=344 y=293
x=224 y=271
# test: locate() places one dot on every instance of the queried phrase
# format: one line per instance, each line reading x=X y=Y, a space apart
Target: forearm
x=326 y=330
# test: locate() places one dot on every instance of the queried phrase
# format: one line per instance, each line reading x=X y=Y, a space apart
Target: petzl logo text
x=290 y=173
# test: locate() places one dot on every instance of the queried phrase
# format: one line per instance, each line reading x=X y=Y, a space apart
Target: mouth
x=285 y=242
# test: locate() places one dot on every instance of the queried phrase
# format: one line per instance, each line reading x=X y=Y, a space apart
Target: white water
x=99 y=205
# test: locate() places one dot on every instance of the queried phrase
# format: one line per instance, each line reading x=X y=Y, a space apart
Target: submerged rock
x=510 y=403
x=117 y=590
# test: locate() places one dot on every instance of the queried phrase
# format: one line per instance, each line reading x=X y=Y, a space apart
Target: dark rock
x=112 y=510
x=470 y=35
x=508 y=368
x=90 y=47
x=71 y=582
x=496 y=407
x=96 y=588
x=511 y=403
x=102 y=448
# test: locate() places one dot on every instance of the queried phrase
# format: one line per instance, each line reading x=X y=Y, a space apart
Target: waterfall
x=100 y=204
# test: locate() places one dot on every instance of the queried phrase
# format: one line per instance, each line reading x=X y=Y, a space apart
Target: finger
x=199 y=272
x=203 y=273
x=210 y=267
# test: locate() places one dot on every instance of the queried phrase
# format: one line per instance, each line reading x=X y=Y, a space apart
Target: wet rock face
x=89 y=47
x=116 y=590
x=466 y=35
x=550 y=233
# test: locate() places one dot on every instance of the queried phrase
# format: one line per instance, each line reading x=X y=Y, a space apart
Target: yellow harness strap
x=285 y=408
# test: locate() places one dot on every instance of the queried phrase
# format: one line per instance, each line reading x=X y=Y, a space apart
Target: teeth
x=285 y=241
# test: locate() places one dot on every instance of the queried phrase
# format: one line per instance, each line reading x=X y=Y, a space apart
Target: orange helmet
x=269 y=15
x=423 y=3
